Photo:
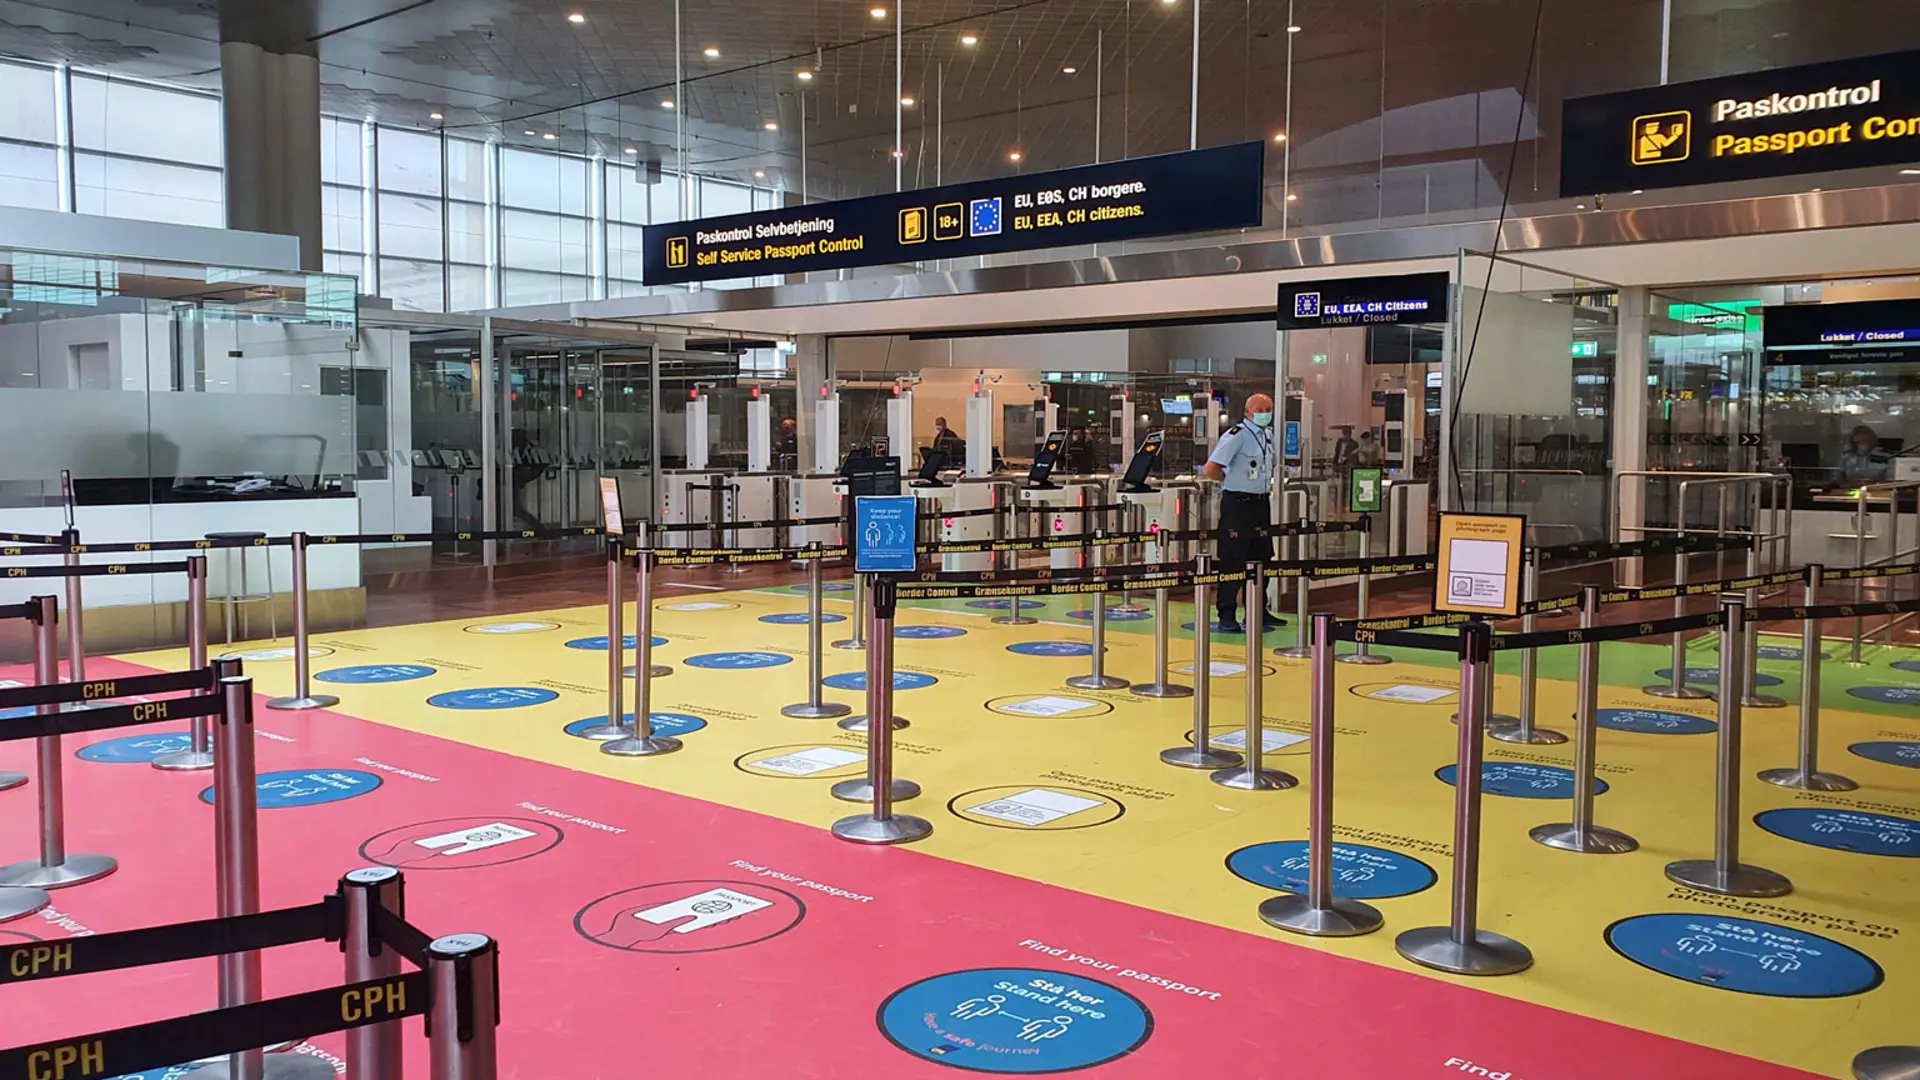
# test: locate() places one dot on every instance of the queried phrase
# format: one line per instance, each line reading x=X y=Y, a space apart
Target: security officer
x=1242 y=463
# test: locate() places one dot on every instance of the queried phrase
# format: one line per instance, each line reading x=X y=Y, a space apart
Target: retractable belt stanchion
x=55 y=868
x=18 y=899
x=1725 y=874
x=1462 y=947
x=1319 y=913
x=1362 y=651
x=1013 y=617
x=464 y=971
x=1202 y=754
x=1750 y=696
x=1250 y=775
x=1581 y=834
x=616 y=724
x=1887 y=1063
x=1302 y=647
x=199 y=751
x=1807 y=775
x=1676 y=687
x=1522 y=729
x=1161 y=686
x=1133 y=520
x=859 y=620
x=1097 y=678
x=880 y=786
x=639 y=740
x=76 y=636
x=813 y=708
x=302 y=697
x=373 y=1050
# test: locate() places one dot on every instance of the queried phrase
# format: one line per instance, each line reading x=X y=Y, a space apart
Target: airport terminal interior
x=860 y=539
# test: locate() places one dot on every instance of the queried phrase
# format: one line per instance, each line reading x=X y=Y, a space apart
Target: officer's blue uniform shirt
x=1245 y=453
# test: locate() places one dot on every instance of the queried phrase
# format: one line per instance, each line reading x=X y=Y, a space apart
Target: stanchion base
x=1162 y=689
x=1295 y=652
x=807 y=710
x=1743 y=880
x=859 y=789
x=1762 y=701
x=1515 y=733
x=606 y=732
x=859 y=722
x=1487 y=954
x=1678 y=693
x=1097 y=682
x=647 y=747
x=1494 y=720
x=1888 y=1063
x=1013 y=620
x=898 y=829
x=1346 y=918
x=654 y=671
x=1362 y=658
x=298 y=704
x=11 y=780
x=1592 y=840
x=1194 y=757
x=76 y=870
x=1247 y=779
x=19 y=903
x=850 y=643
x=184 y=761
x=273 y=1067
x=1807 y=781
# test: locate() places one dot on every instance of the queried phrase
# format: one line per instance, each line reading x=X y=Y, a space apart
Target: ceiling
x=502 y=68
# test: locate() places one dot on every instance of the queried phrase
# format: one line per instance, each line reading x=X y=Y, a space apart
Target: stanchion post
x=1302 y=647
x=1133 y=521
x=1750 y=695
x=813 y=708
x=1462 y=947
x=1250 y=775
x=1161 y=686
x=1319 y=913
x=1521 y=729
x=373 y=1051
x=1676 y=687
x=76 y=635
x=615 y=725
x=17 y=901
x=880 y=786
x=1807 y=775
x=639 y=740
x=858 y=640
x=1581 y=834
x=1725 y=874
x=56 y=868
x=237 y=851
x=302 y=655
x=1362 y=651
x=199 y=751
x=1202 y=754
x=1097 y=678
x=464 y=971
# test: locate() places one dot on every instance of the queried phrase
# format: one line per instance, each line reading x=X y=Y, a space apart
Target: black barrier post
x=880 y=786
x=303 y=697
x=1202 y=754
x=639 y=740
x=1522 y=729
x=1581 y=834
x=464 y=971
x=199 y=752
x=1807 y=775
x=1362 y=651
x=373 y=1051
x=1725 y=874
x=1319 y=913
x=1462 y=947
x=616 y=725
x=56 y=868
x=814 y=708
x=1250 y=775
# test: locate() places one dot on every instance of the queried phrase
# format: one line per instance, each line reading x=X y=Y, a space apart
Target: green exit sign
x=1319 y=358
x=1587 y=349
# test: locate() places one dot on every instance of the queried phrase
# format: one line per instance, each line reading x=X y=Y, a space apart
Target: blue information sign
x=1844 y=830
x=492 y=697
x=883 y=534
x=1523 y=780
x=1744 y=955
x=1906 y=754
x=1359 y=871
x=1653 y=722
x=1291 y=433
x=375 y=673
x=1014 y=1020
x=664 y=723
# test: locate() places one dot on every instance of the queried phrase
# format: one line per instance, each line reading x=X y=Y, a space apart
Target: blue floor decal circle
x=1744 y=955
x=1522 y=780
x=1707 y=676
x=492 y=697
x=1113 y=615
x=375 y=673
x=830 y=586
x=1887 y=695
x=664 y=723
x=1906 y=665
x=1014 y=1020
x=1653 y=722
x=1213 y=625
x=135 y=749
x=289 y=788
x=1845 y=830
x=598 y=643
x=857 y=680
x=738 y=661
x=1003 y=604
x=1360 y=872
x=1905 y=754
x=799 y=618
x=1051 y=648
x=927 y=633
x=1782 y=652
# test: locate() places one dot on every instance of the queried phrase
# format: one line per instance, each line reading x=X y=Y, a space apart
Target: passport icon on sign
x=984 y=218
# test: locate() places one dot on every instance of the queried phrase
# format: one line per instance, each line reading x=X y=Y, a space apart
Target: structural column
x=1629 y=418
x=270 y=98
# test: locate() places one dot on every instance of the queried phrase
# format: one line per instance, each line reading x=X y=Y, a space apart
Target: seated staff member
x=1242 y=463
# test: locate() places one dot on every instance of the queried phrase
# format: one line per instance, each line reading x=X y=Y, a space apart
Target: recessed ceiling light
x=576 y=17
x=1579 y=206
x=1291 y=197
x=713 y=52
x=1910 y=172
x=549 y=136
x=878 y=13
x=1069 y=70
x=1639 y=191
x=969 y=40
x=759 y=174
x=530 y=131
x=897 y=153
x=1293 y=29
x=1169 y=3
x=907 y=102
x=633 y=150
x=435 y=116
x=1279 y=136
x=771 y=126
x=1013 y=155
x=666 y=103
x=805 y=76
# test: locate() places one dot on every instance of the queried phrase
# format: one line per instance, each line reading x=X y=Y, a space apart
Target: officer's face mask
x=1263 y=419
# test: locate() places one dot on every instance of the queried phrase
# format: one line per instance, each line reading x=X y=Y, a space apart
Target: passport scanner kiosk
x=1150 y=509
x=817 y=490
x=1046 y=500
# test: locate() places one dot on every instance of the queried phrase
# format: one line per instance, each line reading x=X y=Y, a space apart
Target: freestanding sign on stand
x=610 y=505
x=883 y=534
x=1479 y=564
x=1363 y=496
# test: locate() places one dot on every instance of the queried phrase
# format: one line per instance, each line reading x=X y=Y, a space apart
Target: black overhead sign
x=1847 y=114
x=1868 y=332
x=1363 y=301
x=1196 y=191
